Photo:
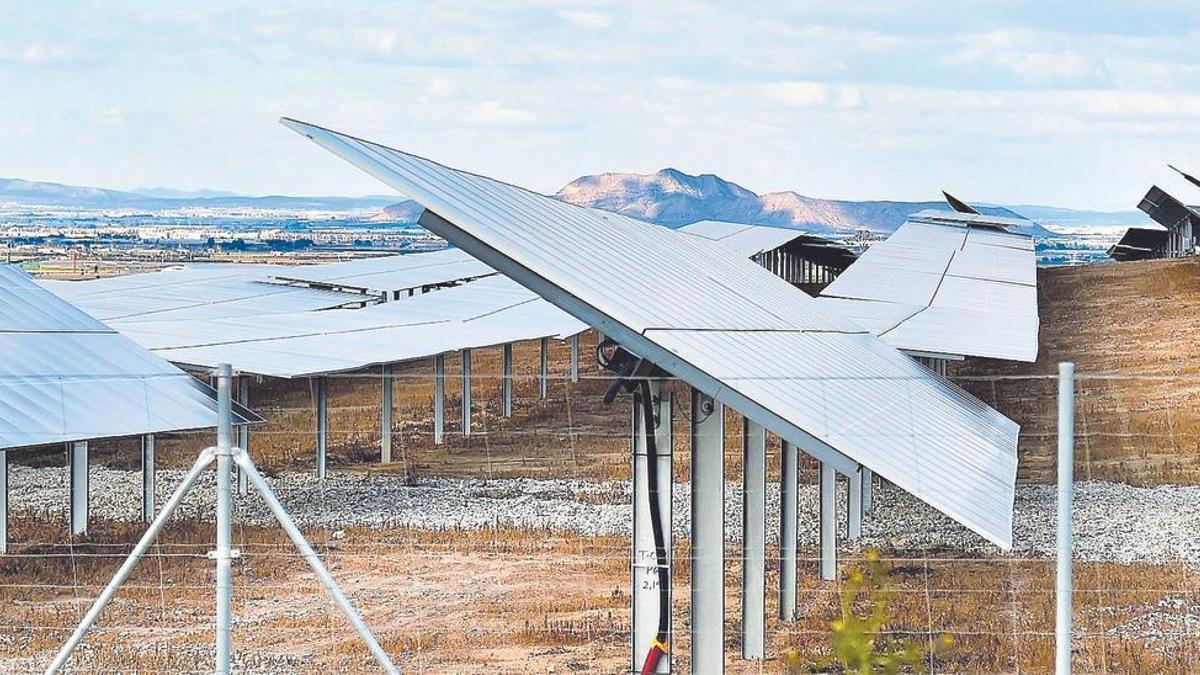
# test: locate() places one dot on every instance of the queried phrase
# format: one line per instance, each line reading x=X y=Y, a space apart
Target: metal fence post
x=224 y=553
x=1066 y=479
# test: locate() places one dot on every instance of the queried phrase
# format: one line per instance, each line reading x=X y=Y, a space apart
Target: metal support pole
x=466 y=392
x=644 y=601
x=854 y=504
x=314 y=561
x=243 y=397
x=754 y=539
x=322 y=423
x=788 y=529
x=224 y=552
x=708 y=534
x=147 y=478
x=868 y=490
x=206 y=457
x=385 y=414
x=1066 y=485
x=544 y=369
x=506 y=381
x=78 y=462
x=3 y=502
x=575 y=357
x=439 y=398
x=828 y=536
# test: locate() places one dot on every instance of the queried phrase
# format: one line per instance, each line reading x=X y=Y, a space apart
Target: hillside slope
x=1132 y=330
x=673 y=198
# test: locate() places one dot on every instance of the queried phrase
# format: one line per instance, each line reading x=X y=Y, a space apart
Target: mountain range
x=668 y=197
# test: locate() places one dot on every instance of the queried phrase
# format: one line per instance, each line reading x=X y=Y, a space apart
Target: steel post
x=575 y=357
x=466 y=392
x=708 y=534
x=224 y=551
x=385 y=414
x=506 y=382
x=78 y=462
x=544 y=368
x=828 y=532
x=1066 y=486
x=754 y=539
x=3 y=502
x=868 y=490
x=243 y=397
x=439 y=398
x=322 y=423
x=147 y=478
x=789 y=504
x=854 y=504
x=645 y=572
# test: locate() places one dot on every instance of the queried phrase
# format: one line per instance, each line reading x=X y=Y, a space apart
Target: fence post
x=1066 y=478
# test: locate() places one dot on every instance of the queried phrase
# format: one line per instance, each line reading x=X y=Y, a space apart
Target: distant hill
x=54 y=194
x=673 y=198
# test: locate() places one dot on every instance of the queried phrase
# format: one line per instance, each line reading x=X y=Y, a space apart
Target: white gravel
x=1113 y=522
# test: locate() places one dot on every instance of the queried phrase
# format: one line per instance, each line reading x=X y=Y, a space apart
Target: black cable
x=656 y=524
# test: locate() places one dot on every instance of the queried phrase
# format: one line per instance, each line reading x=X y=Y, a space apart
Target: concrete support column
x=544 y=369
x=646 y=574
x=789 y=503
x=439 y=398
x=322 y=423
x=386 y=380
x=828 y=525
x=754 y=539
x=77 y=462
x=506 y=383
x=147 y=478
x=575 y=358
x=854 y=504
x=466 y=392
x=708 y=534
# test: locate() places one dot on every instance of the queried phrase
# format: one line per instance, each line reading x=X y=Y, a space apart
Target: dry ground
x=1132 y=330
x=523 y=602
x=519 y=602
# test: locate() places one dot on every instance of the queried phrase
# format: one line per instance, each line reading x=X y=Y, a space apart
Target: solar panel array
x=729 y=328
x=64 y=376
x=946 y=283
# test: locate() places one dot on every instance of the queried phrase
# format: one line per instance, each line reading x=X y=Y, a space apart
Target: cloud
x=35 y=54
x=378 y=40
x=586 y=19
x=497 y=113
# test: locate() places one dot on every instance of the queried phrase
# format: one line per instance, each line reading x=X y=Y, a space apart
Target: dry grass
x=507 y=601
x=1131 y=329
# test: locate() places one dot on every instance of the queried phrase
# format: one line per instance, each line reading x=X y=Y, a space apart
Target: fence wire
x=508 y=550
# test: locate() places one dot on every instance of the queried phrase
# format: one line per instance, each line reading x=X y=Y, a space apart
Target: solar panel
x=65 y=376
x=727 y=327
x=955 y=284
x=392 y=274
x=481 y=313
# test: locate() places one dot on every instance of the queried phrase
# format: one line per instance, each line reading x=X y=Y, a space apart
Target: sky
x=1076 y=104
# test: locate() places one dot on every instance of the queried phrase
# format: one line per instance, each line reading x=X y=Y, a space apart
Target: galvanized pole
x=78 y=463
x=148 y=478
x=544 y=368
x=439 y=398
x=3 y=502
x=385 y=415
x=506 y=384
x=466 y=392
x=243 y=397
x=708 y=534
x=828 y=522
x=322 y=423
x=644 y=579
x=224 y=553
x=788 y=528
x=754 y=539
x=1066 y=479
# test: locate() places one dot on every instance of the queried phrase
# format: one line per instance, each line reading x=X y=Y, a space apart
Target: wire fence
x=508 y=550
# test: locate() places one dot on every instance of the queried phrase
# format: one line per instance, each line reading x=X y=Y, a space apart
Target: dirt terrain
x=1133 y=331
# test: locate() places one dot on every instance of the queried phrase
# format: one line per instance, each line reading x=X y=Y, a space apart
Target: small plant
x=858 y=641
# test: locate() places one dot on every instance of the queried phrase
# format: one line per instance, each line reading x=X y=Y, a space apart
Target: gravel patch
x=1113 y=522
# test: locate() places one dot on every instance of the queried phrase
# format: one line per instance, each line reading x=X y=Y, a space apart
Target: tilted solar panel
x=727 y=327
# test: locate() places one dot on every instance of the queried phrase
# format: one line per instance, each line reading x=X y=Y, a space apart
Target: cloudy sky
x=1067 y=103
